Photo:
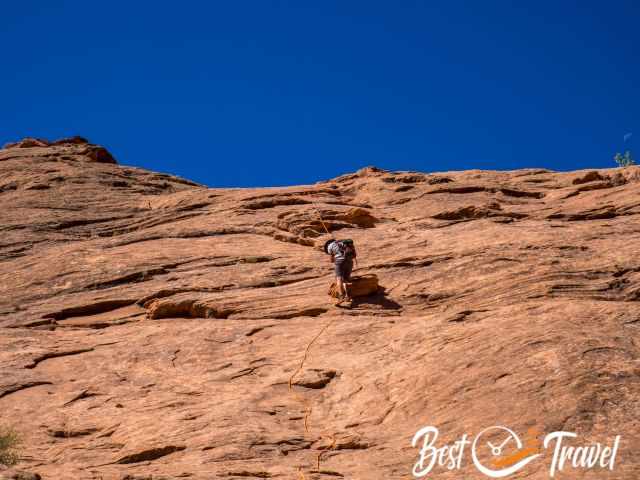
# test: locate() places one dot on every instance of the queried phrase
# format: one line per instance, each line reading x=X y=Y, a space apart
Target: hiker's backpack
x=347 y=247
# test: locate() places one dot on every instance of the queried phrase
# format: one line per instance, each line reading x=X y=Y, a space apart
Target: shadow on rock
x=379 y=298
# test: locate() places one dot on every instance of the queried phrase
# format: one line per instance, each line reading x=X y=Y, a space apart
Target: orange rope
x=331 y=447
x=321 y=221
x=306 y=352
x=308 y=408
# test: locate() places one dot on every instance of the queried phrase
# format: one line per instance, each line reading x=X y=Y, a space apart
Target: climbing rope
x=321 y=220
x=307 y=405
x=331 y=447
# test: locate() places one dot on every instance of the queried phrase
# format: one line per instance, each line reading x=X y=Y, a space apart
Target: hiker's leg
x=340 y=279
x=341 y=286
x=346 y=291
x=346 y=276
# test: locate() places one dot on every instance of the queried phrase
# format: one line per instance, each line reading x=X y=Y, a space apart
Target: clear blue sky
x=245 y=93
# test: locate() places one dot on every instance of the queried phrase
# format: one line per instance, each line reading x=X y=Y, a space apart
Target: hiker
x=342 y=252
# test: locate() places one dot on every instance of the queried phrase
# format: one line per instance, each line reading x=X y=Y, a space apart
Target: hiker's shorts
x=343 y=269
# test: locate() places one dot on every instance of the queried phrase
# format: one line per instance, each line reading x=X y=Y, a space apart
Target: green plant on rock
x=624 y=160
x=9 y=441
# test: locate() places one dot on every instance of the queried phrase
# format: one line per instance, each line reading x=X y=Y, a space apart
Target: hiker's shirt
x=339 y=252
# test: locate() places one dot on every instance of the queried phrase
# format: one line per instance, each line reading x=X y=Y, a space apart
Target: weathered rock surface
x=13 y=474
x=154 y=328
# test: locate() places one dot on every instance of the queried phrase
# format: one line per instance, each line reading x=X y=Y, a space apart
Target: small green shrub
x=624 y=160
x=9 y=440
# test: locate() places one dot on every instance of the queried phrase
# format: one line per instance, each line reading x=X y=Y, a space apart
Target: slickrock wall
x=151 y=327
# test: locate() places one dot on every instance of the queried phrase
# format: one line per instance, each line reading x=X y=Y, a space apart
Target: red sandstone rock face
x=154 y=328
